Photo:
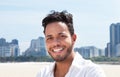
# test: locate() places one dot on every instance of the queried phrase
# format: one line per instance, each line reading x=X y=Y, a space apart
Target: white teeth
x=58 y=50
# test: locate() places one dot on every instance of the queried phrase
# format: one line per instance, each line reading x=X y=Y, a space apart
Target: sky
x=21 y=19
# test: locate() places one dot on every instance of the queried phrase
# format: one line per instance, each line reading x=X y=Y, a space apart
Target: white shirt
x=79 y=68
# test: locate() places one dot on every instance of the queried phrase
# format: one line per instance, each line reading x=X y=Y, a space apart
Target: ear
x=74 y=37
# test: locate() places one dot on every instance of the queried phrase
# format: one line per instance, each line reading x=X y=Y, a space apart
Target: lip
x=58 y=50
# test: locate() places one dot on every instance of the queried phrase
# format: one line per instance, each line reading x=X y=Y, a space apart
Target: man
x=60 y=39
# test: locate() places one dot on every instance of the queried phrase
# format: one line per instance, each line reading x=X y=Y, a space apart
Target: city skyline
x=21 y=19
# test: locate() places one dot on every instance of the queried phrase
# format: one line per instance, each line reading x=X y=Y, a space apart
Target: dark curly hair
x=63 y=16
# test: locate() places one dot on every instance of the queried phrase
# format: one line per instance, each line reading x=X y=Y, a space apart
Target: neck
x=58 y=71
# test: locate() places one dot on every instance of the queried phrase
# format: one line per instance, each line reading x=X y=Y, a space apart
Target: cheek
x=48 y=46
x=73 y=42
x=67 y=43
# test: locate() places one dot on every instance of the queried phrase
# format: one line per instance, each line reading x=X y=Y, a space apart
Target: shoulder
x=93 y=70
x=88 y=68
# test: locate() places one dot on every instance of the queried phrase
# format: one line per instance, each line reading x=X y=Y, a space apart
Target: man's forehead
x=60 y=33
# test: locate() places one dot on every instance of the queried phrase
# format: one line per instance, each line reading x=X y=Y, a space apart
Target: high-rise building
x=5 y=51
x=15 y=51
x=107 y=50
x=37 y=48
x=9 y=49
x=115 y=40
x=14 y=41
x=2 y=42
x=90 y=51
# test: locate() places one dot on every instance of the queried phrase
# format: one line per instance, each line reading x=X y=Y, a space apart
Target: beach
x=30 y=69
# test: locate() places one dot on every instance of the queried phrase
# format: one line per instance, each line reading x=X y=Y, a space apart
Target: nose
x=56 y=42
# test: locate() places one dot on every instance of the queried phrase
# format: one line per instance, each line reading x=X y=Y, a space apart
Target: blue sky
x=21 y=19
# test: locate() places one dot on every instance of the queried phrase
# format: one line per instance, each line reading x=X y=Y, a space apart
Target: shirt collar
x=52 y=67
x=75 y=63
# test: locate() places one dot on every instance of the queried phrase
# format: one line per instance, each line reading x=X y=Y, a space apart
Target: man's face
x=59 y=42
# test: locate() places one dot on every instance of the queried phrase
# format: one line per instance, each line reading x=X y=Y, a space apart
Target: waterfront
x=30 y=69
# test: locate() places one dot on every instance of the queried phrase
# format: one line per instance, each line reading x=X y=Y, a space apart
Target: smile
x=58 y=50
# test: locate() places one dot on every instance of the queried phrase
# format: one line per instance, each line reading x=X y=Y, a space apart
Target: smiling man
x=60 y=39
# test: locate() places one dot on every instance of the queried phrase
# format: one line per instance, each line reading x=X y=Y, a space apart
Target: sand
x=30 y=69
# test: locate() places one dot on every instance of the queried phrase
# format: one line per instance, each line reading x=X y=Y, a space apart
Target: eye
x=49 y=39
x=63 y=36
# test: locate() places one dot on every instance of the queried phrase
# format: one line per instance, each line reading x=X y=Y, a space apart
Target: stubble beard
x=60 y=58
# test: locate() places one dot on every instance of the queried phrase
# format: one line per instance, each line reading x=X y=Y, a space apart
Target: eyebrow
x=48 y=36
x=61 y=33
x=58 y=34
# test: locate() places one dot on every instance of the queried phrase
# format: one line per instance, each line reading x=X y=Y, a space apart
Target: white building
x=9 y=49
